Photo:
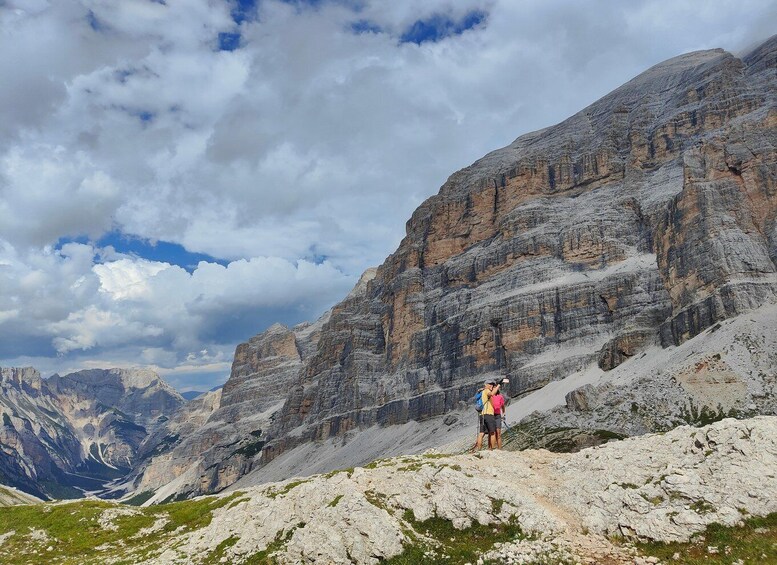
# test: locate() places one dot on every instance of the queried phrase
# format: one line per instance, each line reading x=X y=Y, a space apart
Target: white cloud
x=127 y=278
x=50 y=192
x=308 y=142
x=91 y=326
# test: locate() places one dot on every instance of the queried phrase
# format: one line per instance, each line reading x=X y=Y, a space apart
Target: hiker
x=487 y=421
x=500 y=413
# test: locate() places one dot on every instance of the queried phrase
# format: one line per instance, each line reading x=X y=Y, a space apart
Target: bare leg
x=498 y=438
x=478 y=442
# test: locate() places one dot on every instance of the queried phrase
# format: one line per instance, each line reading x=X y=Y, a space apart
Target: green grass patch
x=379 y=500
x=140 y=498
x=438 y=541
x=221 y=549
x=435 y=455
x=73 y=529
x=265 y=557
x=331 y=474
x=755 y=542
x=412 y=466
x=237 y=501
x=654 y=500
x=705 y=415
x=74 y=532
x=285 y=489
x=377 y=463
x=702 y=507
x=335 y=501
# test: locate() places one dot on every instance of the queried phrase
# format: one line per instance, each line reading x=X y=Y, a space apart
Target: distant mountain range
x=64 y=436
x=192 y=394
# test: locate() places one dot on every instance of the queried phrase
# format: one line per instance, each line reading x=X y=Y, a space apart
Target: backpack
x=479 y=401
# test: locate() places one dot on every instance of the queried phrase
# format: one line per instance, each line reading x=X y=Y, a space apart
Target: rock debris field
x=663 y=487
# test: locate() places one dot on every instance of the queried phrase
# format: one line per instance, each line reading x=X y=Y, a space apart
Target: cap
x=488 y=382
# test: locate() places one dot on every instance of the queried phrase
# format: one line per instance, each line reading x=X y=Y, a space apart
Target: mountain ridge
x=64 y=435
x=639 y=222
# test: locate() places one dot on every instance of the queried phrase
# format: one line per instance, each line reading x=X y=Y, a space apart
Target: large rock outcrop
x=637 y=223
x=586 y=507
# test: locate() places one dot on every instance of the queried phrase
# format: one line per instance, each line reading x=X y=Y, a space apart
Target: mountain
x=225 y=428
x=686 y=487
x=63 y=436
x=10 y=496
x=612 y=239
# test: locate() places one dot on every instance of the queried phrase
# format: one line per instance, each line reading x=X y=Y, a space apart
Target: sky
x=177 y=175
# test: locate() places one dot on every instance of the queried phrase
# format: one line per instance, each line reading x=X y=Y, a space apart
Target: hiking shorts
x=487 y=424
x=498 y=420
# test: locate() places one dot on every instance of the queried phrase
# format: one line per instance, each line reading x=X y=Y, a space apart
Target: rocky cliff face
x=63 y=435
x=215 y=439
x=647 y=216
x=634 y=225
x=729 y=370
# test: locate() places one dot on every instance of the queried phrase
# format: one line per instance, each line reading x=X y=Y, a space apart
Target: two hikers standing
x=491 y=414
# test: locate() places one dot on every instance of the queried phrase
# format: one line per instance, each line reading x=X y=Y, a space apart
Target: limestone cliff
x=636 y=224
x=215 y=439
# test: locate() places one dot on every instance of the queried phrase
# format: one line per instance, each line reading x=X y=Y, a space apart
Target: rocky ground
x=493 y=507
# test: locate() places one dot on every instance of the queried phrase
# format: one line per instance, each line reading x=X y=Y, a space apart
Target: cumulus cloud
x=294 y=156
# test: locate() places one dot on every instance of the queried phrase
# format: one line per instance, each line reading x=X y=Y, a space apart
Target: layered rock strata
x=647 y=216
x=216 y=439
x=639 y=222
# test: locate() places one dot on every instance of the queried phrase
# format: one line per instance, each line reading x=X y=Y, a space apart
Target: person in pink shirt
x=500 y=412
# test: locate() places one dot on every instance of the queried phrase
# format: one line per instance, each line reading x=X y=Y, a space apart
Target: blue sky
x=177 y=176
x=134 y=246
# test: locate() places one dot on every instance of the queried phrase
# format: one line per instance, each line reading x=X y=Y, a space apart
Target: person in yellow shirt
x=487 y=418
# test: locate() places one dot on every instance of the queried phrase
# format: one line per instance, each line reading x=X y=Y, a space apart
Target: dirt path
x=590 y=548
